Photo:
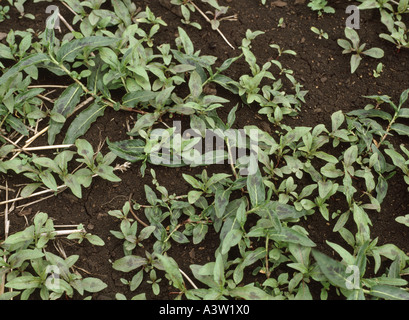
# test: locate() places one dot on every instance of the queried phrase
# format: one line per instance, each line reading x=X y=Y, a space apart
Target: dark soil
x=319 y=66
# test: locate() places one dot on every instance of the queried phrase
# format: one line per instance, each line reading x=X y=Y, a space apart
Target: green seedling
x=379 y=70
x=354 y=47
x=321 y=33
x=321 y=7
x=147 y=265
x=19 y=5
x=217 y=19
x=4 y=13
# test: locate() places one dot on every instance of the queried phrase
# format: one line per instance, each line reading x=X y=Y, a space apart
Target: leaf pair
x=354 y=46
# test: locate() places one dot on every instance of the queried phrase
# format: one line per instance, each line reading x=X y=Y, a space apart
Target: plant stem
x=134 y=214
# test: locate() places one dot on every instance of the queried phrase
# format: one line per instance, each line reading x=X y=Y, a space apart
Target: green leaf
x=332 y=269
x=337 y=119
x=345 y=44
x=47 y=163
x=24 y=282
x=400 y=129
x=355 y=62
x=345 y=255
x=91 y=284
x=285 y=211
x=389 y=292
x=352 y=35
x=330 y=171
x=231 y=239
x=250 y=292
x=70 y=50
x=64 y=105
x=132 y=99
x=95 y=240
x=199 y=232
x=83 y=122
x=17 y=125
x=193 y=196
x=84 y=149
x=20 y=236
x=48 y=179
x=130 y=150
x=397 y=159
x=403 y=219
x=146 y=121
x=20 y=256
x=256 y=188
x=172 y=271
x=186 y=42
x=195 y=84
x=122 y=12
x=221 y=201
x=371 y=113
x=218 y=271
x=24 y=63
x=129 y=263
x=193 y=181
x=292 y=236
x=29 y=189
x=350 y=155
x=107 y=172
x=72 y=182
x=376 y=53
x=146 y=232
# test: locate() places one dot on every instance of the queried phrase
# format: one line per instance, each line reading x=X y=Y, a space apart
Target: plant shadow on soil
x=319 y=66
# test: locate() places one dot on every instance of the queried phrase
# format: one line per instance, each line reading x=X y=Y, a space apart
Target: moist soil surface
x=319 y=65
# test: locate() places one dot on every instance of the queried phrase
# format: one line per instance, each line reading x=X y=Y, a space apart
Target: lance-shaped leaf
x=172 y=271
x=132 y=99
x=389 y=292
x=400 y=129
x=355 y=62
x=290 y=235
x=195 y=84
x=371 y=113
x=231 y=239
x=83 y=122
x=398 y=160
x=64 y=106
x=146 y=121
x=129 y=150
x=285 y=211
x=17 y=125
x=24 y=63
x=129 y=263
x=92 y=284
x=256 y=188
x=376 y=53
x=24 y=282
x=221 y=201
x=70 y=50
x=251 y=293
x=95 y=81
x=334 y=271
